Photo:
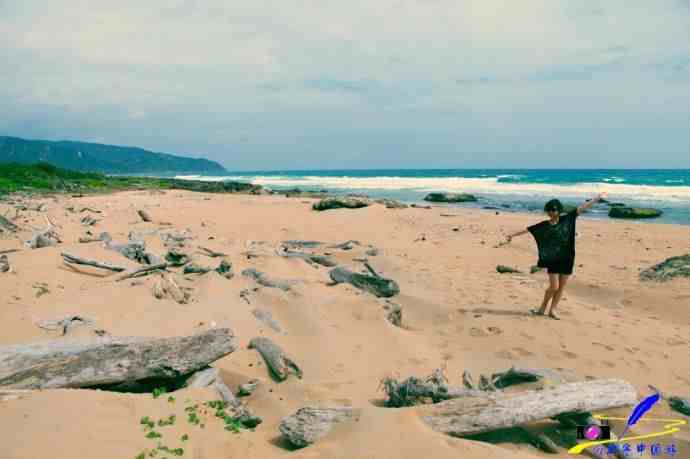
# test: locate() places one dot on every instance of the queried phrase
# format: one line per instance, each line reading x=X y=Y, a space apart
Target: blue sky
x=356 y=84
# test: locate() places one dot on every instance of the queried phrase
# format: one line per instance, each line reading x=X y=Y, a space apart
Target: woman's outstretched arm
x=519 y=233
x=589 y=203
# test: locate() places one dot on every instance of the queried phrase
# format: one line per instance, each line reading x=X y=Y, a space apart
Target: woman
x=555 y=239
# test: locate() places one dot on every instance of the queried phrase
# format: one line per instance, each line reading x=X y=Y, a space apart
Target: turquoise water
x=521 y=189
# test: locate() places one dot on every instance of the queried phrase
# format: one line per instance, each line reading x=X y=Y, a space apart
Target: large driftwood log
x=497 y=410
x=141 y=271
x=377 y=285
x=109 y=360
x=310 y=258
x=166 y=287
x=309 y=424
x=278 y=362
x=72 y=259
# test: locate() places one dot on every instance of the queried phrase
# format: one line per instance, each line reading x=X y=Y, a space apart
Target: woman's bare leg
x=549 y=293
x=562 y=282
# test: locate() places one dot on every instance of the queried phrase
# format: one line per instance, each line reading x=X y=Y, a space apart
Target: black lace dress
x=556 y=243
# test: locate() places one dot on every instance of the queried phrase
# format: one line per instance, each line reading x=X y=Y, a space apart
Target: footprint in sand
x=528 y=336
x=608 y=364
x=523 y=352
x=675 y=341
x=568 y=354
x=605 y=346
x=505 y=354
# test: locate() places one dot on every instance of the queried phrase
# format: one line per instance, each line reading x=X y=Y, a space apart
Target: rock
x=616 y=204
x=668 y=269
x=634 y=212
x=450 y=197
x=248 y=388
x=391 y=203
x=506 y=269
x=418 y=206
x=337 y=203
x=193 y=268
x=377 y=285
x=310 y=424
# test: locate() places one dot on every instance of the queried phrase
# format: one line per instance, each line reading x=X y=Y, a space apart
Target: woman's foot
x=536 y=312
x=554 y=316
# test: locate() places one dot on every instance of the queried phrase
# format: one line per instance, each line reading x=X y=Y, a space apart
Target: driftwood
x=90 y=209
x=310 y=258
x=278 y=362
x=109 y=360
x=141 y=271
x=375 y=284
x=497 y=410
x=72 y=259
x=225 y=269
x=212 y=253
x=133 y=250
x=166 y=287
x=88 y=220
x=65 y=324
x=8 y=225
x=240 y=412
x=101 y=237
x=45 y=238
x=193 y=268
x=372 y=252
x=144 y=215
x=413 y=391
x=5 y=251
x=347 y=245
x=310 y=424
x=4 y=264
x=203 y=378
x=267 y=318
x=266 y=281
x=299 y=244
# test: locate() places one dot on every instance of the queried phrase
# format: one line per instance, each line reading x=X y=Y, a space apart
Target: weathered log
x=4 y=264
x=379 y=286
x=90 y=209
x=66 y=323
x=203 y=378
x=133 y=250
x=88 y=220
x=310 y=424
x=278 y=362
x=299 y=244
x=175 y=257
x=415 y=391
x=8 y=225
x=166 y=287
x=144 y=215
x=109 y=360
x=193 y=268
x=496 y=410
x=44 y=238
x=347 y=245
x=101 y=237
x=267 y=318
x=141 y=271
x=68 y=258
x=266 y=281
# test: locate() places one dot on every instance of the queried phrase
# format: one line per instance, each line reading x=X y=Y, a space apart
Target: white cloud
x=191 y=68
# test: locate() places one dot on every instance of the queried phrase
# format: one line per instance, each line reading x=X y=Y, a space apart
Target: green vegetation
x=46 y=178
x=109 y=159
x=158 y=391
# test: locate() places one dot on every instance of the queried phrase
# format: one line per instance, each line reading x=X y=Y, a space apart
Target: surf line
x=671 y=428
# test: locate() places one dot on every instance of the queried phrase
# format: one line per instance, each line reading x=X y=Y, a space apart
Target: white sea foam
x=488 y=185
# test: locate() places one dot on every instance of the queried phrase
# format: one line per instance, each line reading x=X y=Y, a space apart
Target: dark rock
x=668 y=269
x=634 y=212
x=506 y=269
x=337 y=203
x=176 y=258
x=418 y=206
x=391 y=203
x=450 y=197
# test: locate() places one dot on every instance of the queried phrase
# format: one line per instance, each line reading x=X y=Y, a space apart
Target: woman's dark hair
x=554 y=204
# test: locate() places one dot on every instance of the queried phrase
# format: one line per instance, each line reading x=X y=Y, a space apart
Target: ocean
x=523 y=190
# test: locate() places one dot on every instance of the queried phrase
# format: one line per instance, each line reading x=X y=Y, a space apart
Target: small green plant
x=158 y=391
x=184 y=437
x=141 y=456
x=153 y=434
x=171 y=399
x=147 y=422
x=167 y=422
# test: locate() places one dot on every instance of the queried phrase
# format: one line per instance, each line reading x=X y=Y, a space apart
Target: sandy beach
x=458 y=313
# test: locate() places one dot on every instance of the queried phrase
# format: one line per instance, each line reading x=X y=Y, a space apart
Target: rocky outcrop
x=668 y=269
x=341 y=203
x=450 y=197
x=634 y=212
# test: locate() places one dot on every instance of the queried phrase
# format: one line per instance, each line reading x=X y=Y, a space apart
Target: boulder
x=338 y=203
x=634 y=212
x=506 y=269
x=450 y=197
x=391 y=203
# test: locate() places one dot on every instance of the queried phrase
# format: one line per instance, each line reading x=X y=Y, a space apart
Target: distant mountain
x=108 y=159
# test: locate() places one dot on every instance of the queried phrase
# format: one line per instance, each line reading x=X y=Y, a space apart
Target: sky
x=320 y=84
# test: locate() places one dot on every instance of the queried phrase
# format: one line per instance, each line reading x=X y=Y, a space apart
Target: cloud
x=251 y=83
